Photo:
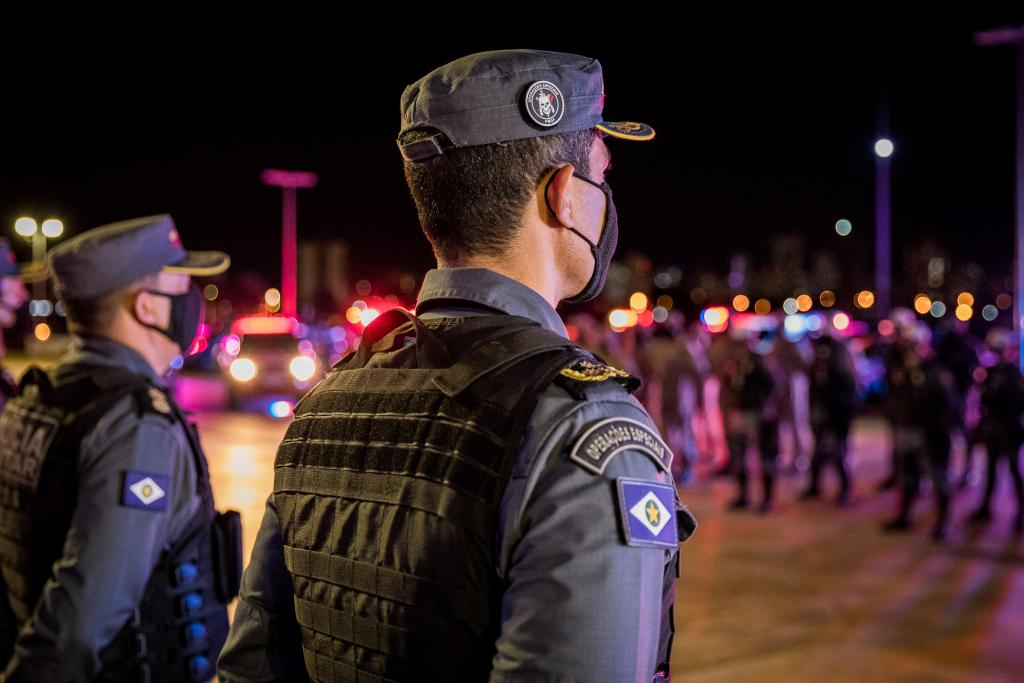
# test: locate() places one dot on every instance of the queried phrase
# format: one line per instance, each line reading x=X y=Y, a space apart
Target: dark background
x=764 y=128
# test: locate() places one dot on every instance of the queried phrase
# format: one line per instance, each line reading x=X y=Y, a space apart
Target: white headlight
x=302 y=368
x=243 y=369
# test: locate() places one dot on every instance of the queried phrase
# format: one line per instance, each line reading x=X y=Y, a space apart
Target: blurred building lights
x=621 y=318
x=865 y=299
x=844 y=227
x=827 y=298
x=740 y=302
x=763 y=307
x=715 y=318
x=638 y=301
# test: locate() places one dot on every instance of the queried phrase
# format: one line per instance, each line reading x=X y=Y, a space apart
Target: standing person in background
x=833 y=396
x=1001 y=428
x=922 y=407
x=755 y=421
x=794 y=358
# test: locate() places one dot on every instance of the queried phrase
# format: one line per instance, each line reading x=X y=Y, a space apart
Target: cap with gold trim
x=103 y=259
x=503 y=95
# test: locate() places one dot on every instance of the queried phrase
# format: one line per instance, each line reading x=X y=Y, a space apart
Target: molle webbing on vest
x=387 y=485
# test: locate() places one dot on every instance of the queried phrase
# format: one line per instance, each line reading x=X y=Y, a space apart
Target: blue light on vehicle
x=280 y=409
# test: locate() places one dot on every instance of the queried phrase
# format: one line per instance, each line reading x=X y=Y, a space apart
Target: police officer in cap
x=107 y=516
x=469 y=496
x=13 y=296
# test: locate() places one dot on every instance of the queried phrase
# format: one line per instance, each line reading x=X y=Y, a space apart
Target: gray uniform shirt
x=111 y=549
x=579 y=603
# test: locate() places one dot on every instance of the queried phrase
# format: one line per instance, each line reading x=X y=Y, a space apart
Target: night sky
x=763 y=129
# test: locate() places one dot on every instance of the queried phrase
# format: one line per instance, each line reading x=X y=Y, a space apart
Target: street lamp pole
x=1014 y=35
x=289 y=182
x=37 y=235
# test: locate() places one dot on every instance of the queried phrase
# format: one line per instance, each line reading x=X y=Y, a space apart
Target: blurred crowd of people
x=756 y=402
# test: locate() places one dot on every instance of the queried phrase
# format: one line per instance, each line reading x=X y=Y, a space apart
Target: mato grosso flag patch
x=647 y=510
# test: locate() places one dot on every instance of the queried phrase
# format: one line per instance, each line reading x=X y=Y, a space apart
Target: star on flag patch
x=647 y=511
x=145 y=490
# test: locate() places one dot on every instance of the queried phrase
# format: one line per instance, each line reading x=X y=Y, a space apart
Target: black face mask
x=605 y=247
x=186 y=314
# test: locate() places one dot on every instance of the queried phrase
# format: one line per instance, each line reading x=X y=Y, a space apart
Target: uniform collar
x=100 y=351
x=446 y=287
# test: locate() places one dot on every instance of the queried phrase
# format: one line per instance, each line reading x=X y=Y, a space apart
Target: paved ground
x=809 y=593
x=816 y=593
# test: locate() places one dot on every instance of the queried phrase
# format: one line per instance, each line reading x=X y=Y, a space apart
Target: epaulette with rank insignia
x=153 y=400
x=585 y=372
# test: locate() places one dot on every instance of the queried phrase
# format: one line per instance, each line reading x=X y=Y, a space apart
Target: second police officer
x=115 y=565
x=469 y=496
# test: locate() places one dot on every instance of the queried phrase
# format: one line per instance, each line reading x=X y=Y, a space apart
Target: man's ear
x=557 y=195
x=143 y=305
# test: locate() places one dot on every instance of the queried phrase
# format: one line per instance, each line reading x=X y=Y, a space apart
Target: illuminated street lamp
x=27 y=227
x=289 y=182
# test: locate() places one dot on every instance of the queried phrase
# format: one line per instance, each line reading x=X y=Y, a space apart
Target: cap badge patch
x=144 y=490
x=544 y=103
x=646 y=508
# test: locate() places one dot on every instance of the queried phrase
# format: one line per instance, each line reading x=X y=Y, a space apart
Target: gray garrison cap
x=491 y=97
x=111 y=256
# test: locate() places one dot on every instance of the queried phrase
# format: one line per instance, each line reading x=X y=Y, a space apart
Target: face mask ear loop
x=547 y=186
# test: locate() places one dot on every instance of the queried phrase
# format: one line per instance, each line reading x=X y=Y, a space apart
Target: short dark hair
x=470 y=200
x=96 y=314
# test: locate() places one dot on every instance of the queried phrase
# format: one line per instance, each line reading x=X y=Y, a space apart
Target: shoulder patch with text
x=647 y=510
x=603 y=440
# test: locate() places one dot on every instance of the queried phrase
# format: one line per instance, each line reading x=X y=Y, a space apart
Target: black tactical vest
x=388 y=484
x=179 y=628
